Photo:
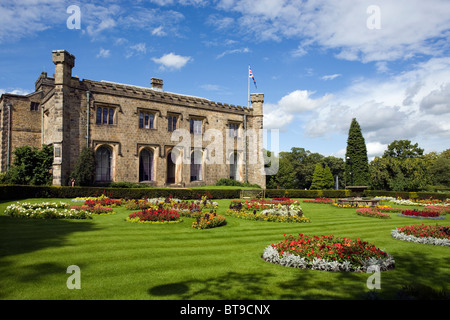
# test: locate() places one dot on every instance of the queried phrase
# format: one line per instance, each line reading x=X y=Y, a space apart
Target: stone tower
x=64 y=62
x=255 y=157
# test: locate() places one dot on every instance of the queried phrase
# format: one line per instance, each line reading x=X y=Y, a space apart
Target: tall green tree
x=357 y=162
x=84 y=171
x=328 y=180
x=318 y=178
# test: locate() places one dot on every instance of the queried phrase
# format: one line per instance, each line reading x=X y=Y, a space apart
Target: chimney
x=157 y=84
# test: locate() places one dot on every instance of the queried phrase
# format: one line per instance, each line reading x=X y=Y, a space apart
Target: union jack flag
x=250 y=75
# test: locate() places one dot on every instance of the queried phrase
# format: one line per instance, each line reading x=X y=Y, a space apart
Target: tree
x=440 y=169
x=318 y=178
x=328 y=180
x=357 y=163
x=403 y=149
x=337 y=168
x=409 y=174
x=31 y=166
x=84 y=171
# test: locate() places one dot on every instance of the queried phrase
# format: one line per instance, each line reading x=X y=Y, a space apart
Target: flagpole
x=248 y=77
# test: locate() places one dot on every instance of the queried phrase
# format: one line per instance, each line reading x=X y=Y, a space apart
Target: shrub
x=31 y=166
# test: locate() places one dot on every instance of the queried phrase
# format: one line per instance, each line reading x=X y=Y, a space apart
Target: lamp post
x=349 y=161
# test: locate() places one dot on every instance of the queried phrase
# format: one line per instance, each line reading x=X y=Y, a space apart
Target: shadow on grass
x=232 y=285
x=18 y=236
x=415 y=277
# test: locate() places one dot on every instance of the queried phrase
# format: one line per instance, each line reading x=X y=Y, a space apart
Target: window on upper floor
x=146 y=120
x=34 y=106
x=233 y=130
x=196 y=126
x=105 y=115
x=171 y=123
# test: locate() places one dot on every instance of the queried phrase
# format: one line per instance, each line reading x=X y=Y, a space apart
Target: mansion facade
x=134 y=131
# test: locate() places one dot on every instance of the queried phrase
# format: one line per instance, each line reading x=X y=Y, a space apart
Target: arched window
x=170 y=169
x=196 y=166
x=146 y=165
x=234 y=168
x=103 y=172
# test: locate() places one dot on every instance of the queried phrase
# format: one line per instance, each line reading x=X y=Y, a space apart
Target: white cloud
x=343 y=26
x=137 y=49
x=412 y=105
x=276 y=118
x=233 y=51
x=159 y=31
x=103 y=53
x=172 y=61
x=22 y=19
x=281 y=114
x=18 y=91
x=331 y=76
x=375 y=149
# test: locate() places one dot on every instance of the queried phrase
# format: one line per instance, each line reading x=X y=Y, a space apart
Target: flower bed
x=420 y=214
x=442 y=210
x=372 y=212
x=327 y=253
x=209 y=220
x=95 y=209
x=276 y=210
x=103 y=202
x=435 y=235
x=248 y=215
x=45 y=210
x=154 y=216
x=319 y=200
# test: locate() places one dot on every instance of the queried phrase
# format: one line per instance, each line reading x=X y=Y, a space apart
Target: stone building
x=144 y=135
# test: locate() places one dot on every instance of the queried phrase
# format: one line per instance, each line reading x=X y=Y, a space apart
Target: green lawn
x=123 y=260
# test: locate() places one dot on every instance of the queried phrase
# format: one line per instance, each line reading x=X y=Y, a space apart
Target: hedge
x=298 y=193
x=15 y=192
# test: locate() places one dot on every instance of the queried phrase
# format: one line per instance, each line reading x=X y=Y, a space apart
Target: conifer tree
x=328 y=180
x=84 y=171
x=356 y=161
x=318 y=178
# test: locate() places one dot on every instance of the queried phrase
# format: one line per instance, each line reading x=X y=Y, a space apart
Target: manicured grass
x=123 y=260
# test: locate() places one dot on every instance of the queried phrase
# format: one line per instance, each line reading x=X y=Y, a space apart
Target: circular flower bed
x=421 y=214
x=46 y=210
x=208 y=220
x=276 y=210
x=328 y=253
x=435 y=235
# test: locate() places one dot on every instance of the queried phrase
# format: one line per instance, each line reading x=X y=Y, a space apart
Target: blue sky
x=319 y=63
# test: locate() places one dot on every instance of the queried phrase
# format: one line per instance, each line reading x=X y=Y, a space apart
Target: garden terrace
x=121 y=260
